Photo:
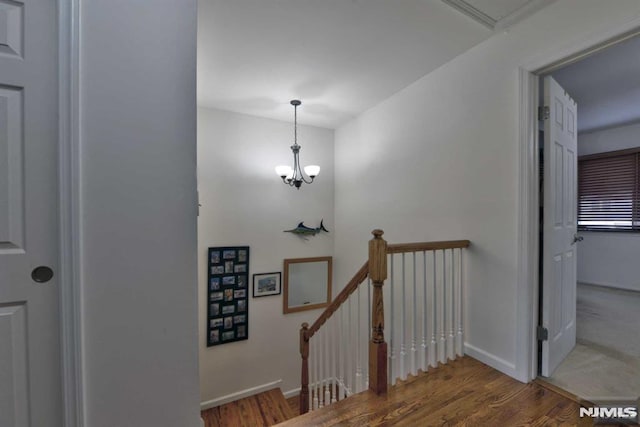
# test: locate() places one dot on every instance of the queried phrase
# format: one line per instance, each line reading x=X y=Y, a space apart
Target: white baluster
x=316 y=344
x=325 y=375
x=347 y=348
x=424 y=362
x=443 y=305
x=359 y=380
x=330 y=347
x=341 y=354
x=311 y=379
x=392 y=354
x=350 y=349
x=327 y=367
x=334 y=359
x=403 y=333
x=320 y=366
x=368 y=335
x=450 y=309
x=310 y=362
x=414 y=333
x=459 y=335
x=432 y=345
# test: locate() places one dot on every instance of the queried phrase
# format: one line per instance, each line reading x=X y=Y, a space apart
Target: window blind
x=608 y=191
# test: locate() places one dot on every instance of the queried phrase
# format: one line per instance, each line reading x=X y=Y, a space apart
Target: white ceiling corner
x=498 y=14
x=340 y=57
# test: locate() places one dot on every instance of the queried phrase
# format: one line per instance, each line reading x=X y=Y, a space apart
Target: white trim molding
x=472 y=12
x=291 y=393
x=528 y=242
x=239 y=395
x=69 y=218
x=501 y=23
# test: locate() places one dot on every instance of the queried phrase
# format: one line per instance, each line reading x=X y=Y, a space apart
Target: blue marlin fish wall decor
x=304 y=231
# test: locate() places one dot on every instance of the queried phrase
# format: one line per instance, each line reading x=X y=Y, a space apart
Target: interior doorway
x=605 y=360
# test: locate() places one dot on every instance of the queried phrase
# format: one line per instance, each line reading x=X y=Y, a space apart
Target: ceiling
x=606 y=86
x=340 y=57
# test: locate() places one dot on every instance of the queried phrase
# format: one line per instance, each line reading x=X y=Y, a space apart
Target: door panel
x=11 y=37
x=13 y=366
x=30 y=383
x=560 y=205
x=11 y=170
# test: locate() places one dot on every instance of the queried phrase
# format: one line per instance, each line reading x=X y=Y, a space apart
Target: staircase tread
x=263 y=409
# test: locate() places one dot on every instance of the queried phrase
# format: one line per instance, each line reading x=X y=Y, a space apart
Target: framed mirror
x=307 y=283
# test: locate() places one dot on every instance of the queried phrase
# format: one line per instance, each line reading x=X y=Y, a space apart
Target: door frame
x=528 y=182
x=69 y=190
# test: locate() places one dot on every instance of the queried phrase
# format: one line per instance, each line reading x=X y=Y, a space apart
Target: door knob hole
x=42 y=274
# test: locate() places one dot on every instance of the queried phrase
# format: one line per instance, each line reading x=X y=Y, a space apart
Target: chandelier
x=294 y=176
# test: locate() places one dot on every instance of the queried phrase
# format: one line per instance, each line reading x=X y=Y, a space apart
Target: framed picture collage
x=228 y=292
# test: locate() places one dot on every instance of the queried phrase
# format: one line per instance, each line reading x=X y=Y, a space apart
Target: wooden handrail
x=427 y=246
x=359 y=277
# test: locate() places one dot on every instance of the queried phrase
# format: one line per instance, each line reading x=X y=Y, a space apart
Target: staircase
x=344 y=351
x=346 y=361
x=264 y=409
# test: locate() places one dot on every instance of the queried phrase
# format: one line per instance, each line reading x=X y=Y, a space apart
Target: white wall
x=612 y=139
x=138 y=137
x=244 y=202
x=438 y=160
x=609 y=259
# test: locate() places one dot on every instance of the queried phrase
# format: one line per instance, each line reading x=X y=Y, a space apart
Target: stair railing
x=345 y=361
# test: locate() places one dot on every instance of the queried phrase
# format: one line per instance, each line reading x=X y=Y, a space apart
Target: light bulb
x=312 y=170
x=283 y=170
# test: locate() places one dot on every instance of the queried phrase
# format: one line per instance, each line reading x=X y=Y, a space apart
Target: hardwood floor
x=264 y=409
x=294 y=404
x=463 y=392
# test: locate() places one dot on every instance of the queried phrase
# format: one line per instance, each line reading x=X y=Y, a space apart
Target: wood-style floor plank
x=264 y=409
x=294 y=404
x=463 y=392
x=274 y=407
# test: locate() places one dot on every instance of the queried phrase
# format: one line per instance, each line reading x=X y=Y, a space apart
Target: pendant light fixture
x=294 y=176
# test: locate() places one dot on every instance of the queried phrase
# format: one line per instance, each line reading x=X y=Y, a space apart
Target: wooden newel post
x=377 y=345
x=304 y=352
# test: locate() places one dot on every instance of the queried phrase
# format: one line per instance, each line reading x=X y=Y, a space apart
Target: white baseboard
x=239 y=395
x=615 y=286
x=492 y=360
x=291 y=393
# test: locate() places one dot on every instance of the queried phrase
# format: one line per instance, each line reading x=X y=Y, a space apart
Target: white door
x=30 y=385
x=560 y=226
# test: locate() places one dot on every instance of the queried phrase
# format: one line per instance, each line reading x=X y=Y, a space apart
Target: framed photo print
x=228 y=313
x=266 y=284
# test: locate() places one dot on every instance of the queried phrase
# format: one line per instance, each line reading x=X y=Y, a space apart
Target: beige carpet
x=605 y=364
